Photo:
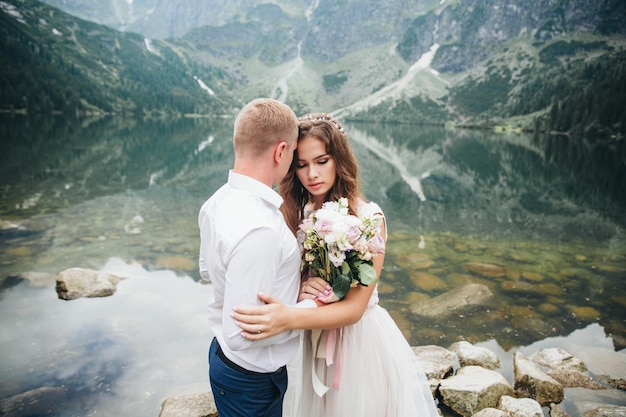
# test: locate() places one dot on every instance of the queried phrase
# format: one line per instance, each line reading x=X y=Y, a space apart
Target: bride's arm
x=276 y=317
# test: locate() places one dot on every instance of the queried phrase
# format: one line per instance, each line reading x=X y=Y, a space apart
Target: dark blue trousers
x=241 y=393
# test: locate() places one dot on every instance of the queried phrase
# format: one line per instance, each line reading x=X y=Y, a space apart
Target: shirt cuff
x=306 y=304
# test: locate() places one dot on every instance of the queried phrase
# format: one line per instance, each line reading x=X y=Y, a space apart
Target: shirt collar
x=257 y=188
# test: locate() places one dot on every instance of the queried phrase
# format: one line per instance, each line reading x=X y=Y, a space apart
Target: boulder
x=75 y=283
x=469 y=354
x=531 y=381
x=520 y=407
x=556 y=411
x=557 y=358
x=192 y=405
x=565 y=368
x=437 y=363
x=491 y=412
x=472 y=389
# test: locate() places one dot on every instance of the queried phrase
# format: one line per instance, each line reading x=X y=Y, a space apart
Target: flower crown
x=325 y=117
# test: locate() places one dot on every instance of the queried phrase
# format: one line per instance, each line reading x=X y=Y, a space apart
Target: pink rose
x=323 y=227
x=353 y=234
x=306 y=224
x=376 y=244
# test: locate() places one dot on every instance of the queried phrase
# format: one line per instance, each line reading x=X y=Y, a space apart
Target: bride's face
x=315 y=168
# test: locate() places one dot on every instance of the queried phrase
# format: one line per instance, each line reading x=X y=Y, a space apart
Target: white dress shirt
x=247 y=248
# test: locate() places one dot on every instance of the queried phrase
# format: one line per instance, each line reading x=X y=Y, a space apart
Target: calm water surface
x=539 y=221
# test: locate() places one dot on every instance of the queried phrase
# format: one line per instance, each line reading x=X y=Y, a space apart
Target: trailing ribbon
x=321 y=338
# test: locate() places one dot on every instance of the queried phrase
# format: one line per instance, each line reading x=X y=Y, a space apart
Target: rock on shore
x=464 y=380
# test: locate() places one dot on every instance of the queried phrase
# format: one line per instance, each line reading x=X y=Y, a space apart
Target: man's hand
x=261 y=322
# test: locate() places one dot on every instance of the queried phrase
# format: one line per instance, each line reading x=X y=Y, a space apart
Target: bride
x=355 y=360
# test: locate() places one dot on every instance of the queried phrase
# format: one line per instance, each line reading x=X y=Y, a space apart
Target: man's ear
x=280 y=151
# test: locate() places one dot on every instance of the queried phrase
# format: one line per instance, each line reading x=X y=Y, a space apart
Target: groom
x=246 y=248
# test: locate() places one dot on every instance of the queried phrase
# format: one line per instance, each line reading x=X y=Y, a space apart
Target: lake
x=540 y=221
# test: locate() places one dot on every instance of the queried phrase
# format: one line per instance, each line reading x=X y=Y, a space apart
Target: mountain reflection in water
x=543 y=218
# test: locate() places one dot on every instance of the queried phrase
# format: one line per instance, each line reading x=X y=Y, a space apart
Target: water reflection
x=114 y=356
x=47 y=164
x=599 y=165
x=543 y=217
x=502 y=202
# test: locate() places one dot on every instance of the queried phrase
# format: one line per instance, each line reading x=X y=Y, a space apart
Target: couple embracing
x=273 y=292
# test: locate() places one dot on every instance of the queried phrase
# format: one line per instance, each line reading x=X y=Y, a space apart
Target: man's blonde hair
x=261 y=124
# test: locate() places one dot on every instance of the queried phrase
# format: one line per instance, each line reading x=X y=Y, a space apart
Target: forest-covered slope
x=544 y=66
x=54 y=62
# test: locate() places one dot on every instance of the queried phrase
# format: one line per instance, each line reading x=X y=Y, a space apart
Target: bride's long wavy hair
x=325 y=128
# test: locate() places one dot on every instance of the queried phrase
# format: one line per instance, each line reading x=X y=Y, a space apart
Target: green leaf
x=341 y=285
x=345 y=268
x=367 y=274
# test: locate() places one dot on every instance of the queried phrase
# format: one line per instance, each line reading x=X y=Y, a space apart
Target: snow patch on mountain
x=394 y=90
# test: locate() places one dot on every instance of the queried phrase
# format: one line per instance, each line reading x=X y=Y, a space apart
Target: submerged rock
x=532 y=276
x=453 y=300
x=520 y=287
x=486 y=270
x=38 y=402
x=585 y=312
x=20 y=251
x=20 y=228
x=176 y=262
x=591 y=409
x=36 y=279
x=411 y=261
x=427 y=281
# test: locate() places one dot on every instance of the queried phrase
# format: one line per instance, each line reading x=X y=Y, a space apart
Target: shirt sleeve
x=202 y=268
x=252 y=268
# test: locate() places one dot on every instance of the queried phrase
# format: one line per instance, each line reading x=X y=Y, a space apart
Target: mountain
x=162 y=19
x=54 y=62
x=556 y=65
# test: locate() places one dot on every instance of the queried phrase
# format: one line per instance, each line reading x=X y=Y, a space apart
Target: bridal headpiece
x=325 y=117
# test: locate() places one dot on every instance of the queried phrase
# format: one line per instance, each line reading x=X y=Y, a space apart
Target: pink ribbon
x=328 y=353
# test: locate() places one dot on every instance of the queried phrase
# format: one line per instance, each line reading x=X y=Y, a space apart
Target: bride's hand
x=313 y=288
x=261 y=322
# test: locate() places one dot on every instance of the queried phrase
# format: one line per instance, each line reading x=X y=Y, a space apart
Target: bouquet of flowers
x=339 y=247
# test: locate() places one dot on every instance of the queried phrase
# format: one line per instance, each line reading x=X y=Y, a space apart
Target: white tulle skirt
x=379 y=376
